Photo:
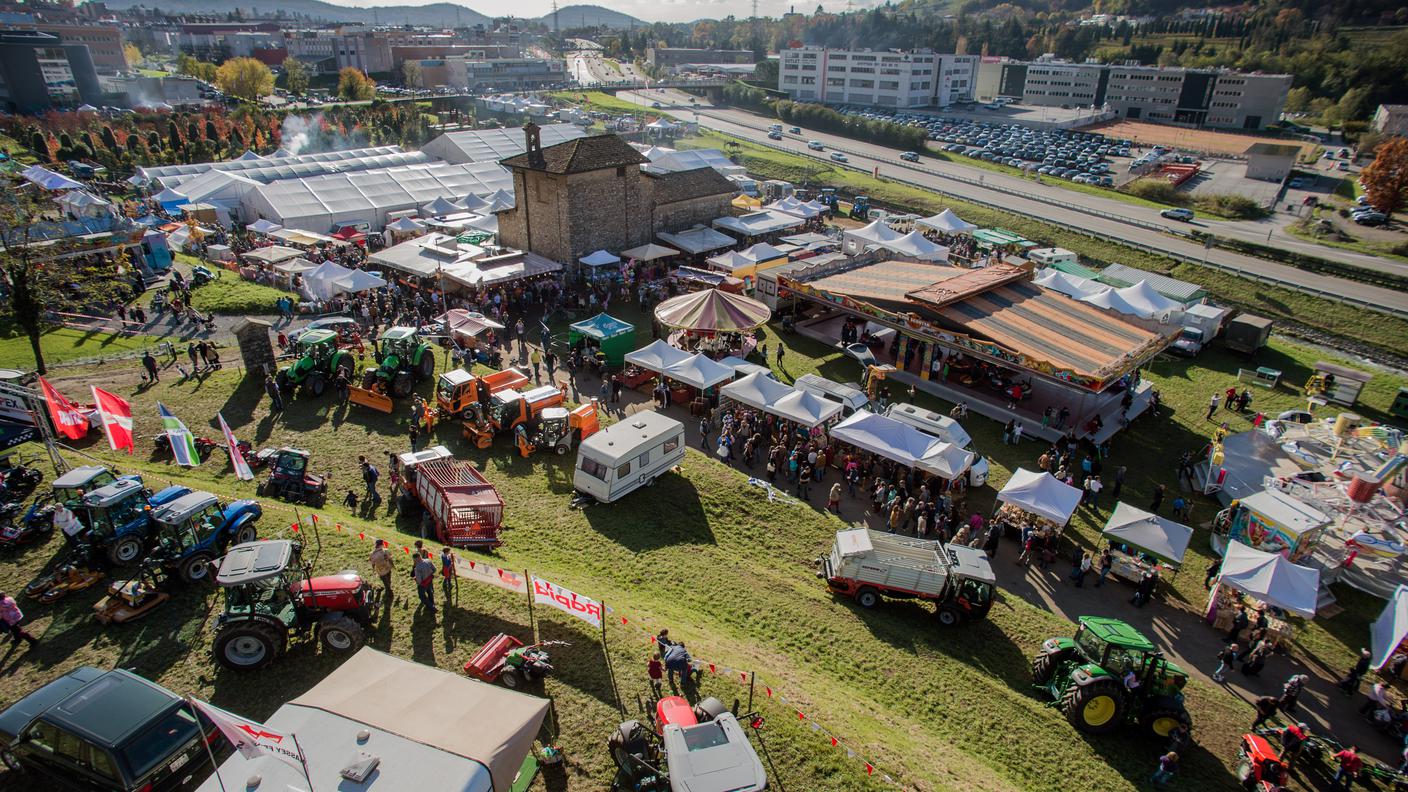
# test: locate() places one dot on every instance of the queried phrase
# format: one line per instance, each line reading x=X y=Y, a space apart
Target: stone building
x=590 y=194
x=256 y=350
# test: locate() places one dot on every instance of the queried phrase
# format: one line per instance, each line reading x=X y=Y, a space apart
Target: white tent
x=441 y=206
x=877 y=233
x=249 y=155
x=699 y=239
x=915 y=245
x=817 y=205
x=649 y=252
x=761 y=252
x=321 y=283
x=728 y=261
x=170 y=196
x=1149 y=303
x=949 y=461
x=698 y=371
x=805 y=408
x=136 y=180
x=1388 y=631
x=755 y=390
x=887 y=437
x=1155 y=535
x=86 y=108
x=81 y=204
x=1041 y=494
x=48 y=179
x=359 y=281
x=262 y=226
x=1271 y=578
x=473 y=203
x=792 y=206
x=948 y=222
x=1069 y=285
x=405 y=225
x=600 y=258
x=176 y=240
x=660 y=125
x=1111 y=299
x=658 y=356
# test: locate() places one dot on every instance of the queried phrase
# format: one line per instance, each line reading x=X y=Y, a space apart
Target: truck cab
x=458 y=392
x=1190 y=342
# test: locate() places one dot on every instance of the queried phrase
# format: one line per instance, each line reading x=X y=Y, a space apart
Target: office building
x=104 y=43
x=38 y=71
x=886 y=78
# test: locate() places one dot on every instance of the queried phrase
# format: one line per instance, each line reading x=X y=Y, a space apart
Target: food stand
x=1035 y=499
x=611 y=336
x=643 y=364
x=1150 y=541
x=1267 y=579
x=1271 y=521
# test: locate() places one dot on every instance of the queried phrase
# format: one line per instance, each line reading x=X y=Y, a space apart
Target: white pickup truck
x=867 y=565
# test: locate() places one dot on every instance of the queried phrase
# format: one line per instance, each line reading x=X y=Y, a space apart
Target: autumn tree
x=411 y=74
x=245 y=78
x=354 y=85
x=1386 y=178
x=133 y=54
x=295 y=76
x=43 y=280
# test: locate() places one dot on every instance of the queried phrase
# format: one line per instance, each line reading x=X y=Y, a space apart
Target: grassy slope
x=706 y=555
x=63 y=344
x=1326 y=315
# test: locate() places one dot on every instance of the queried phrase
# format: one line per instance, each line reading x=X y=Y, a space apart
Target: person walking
x=447 y=573
x=1349 y=766
x=1158 y=498
x=1119 y=482
x=1226 y=659
x=383 y=566
x=1350 y=683
x=149 y=363
x=1168 y=765
x=1106 y=563
x=276 y=399
x=1265 y=710
x=1212 y=406
x=424 y=574
x=1080 y=570
x=1290 y=692
x=704 y=433
x=833 y=500
x=369 y=477
x=11 y=616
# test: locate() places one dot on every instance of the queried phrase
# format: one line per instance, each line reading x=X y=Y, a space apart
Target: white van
x=627 y=455
x=947 y=430
x=850 y=398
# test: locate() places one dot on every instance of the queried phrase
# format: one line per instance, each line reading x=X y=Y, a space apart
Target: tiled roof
x=690 y=184
x=581 y=156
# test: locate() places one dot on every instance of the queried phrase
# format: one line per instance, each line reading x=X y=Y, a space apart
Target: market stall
x=756 y=390
x=1265 y=578
x=902 y=443
x=649 y=360
x=1144 y=541
x=1037 y=500
x=607 y=334
x=600 y=263
x=263 y=227
x=1271 y=521
x=947 y=222
x=804 y=409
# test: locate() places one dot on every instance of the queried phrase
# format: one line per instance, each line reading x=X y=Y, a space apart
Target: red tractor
x=289 y=478
x=506 y=660
x=1261 y=768
x=270 y=595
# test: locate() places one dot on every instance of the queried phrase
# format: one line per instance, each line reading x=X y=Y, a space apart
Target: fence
x=1124 y=219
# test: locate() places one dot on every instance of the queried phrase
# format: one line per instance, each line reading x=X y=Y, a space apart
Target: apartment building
x=39 y=71
x=890 y=78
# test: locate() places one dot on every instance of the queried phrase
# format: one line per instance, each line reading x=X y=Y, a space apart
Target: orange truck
x=458 y=392
x=508 y=410
x=558 y=429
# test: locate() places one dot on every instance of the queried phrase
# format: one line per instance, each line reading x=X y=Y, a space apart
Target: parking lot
x=1229 y=177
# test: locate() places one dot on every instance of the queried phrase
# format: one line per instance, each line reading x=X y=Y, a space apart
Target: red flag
x=869 y=768
x=68 y=419
x=117 y=419
x=833 y=742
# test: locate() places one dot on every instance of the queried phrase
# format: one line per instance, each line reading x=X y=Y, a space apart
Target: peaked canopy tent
x=1111 y=299
x=1389 y=630
x=699 y=239
x=1041 y=494
x=600 y=258
x=321 y=283
x=441 y=206
x=1069 y=285
x=649 y=252
x=885 y=436
x=947 y=222
x=1159 y=537
x=1150 y=304
x=657 y=356
x=82 y=204
x=359 y=281
x=804 y=408
x=699 y=372
x=916 y=246
x=1270 y=578
x=405 y=225
x=792 y=206
x=877 y=233
x=756 y=390
x=262 y=226
x=712 y=311
x=611 y=335
x=273 y=254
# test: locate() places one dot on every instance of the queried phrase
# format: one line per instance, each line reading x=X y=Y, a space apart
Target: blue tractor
x=119 y=518
x=195 y=529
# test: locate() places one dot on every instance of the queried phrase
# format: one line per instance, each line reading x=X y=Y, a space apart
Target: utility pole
x=556 y=30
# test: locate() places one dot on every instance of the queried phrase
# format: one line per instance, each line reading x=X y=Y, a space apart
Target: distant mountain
x=436 y=14
x=577 y=16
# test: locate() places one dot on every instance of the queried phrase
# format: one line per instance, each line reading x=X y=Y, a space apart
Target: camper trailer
x=628 y=455
x=947 y=430
x=849 y=397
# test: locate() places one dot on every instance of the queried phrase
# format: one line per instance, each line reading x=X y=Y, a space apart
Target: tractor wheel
x=1162 y=715
x=368 y=379
x=868 y=597
x=467 y=414
x=124 y=551
x=248 y=645
x=1044 y=666
x=426 y=368
x=402 y=384
x=512 y=679
x=316 y=384
x=340 y=634
x=246 y=533
x=561 y=449
x=1096 y=707
x=949 y=616
x=195 y=568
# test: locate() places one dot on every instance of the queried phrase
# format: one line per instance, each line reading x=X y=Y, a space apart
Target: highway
x=1130 y=224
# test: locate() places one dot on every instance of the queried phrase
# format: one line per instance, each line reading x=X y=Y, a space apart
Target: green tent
x=614 y=336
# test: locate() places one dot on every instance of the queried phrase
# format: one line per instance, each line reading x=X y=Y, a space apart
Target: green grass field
x=601 y=101
x=63 y=344
x=708 y=556
x=1385 y=332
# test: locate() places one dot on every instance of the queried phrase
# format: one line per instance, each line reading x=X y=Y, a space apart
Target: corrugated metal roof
x=1120 y=276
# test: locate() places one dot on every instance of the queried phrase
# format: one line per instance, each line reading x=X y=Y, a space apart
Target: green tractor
x=403 y=359
x=1089 y=678
x=319 y=362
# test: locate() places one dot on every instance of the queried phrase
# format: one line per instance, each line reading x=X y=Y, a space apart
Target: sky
x=648 y=10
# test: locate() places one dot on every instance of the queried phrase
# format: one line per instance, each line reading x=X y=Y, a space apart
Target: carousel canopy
x=603 y=326
x=600 y=258
x=657 y=357
x=649 y=252
x=1041 y=494
x=1271 y=578
x=1155 y=535
x=948 y=222
x=712 y=310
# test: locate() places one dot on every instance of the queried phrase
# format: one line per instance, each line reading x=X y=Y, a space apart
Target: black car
x=108 y=730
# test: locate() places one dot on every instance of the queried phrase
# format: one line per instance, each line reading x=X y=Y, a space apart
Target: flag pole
x=302 y=760
x=610 y=672
x=532 y=623
x=206 y=741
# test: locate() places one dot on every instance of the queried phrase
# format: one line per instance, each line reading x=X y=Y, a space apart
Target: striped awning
x=713 y=311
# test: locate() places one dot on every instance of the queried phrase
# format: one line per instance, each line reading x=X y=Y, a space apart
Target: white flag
x=584 y=608
x=488 y=573
x=251 y=739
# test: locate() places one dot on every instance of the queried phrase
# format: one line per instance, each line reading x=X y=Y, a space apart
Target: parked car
x=1178 y=213
x=909 y=156
x=1371 y=218
x=111 y=730
x=795 y=130
x=1297 y=183
x=837 y=156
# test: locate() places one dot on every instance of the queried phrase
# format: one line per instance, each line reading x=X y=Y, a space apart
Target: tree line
x=821 y=118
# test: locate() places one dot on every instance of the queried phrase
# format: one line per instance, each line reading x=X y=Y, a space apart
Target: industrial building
x=889 y=78
x=39 y=71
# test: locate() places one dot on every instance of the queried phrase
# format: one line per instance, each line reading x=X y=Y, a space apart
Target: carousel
x=713 y=322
